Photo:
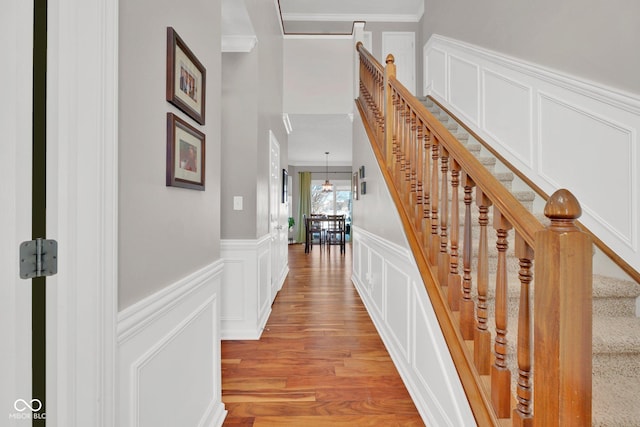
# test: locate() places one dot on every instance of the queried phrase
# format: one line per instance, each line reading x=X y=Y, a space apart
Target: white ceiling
x=314 y=134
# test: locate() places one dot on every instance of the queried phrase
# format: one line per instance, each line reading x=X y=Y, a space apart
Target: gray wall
x=252 y=105
x=592 y=39
x=374 y=211
x=165 y=233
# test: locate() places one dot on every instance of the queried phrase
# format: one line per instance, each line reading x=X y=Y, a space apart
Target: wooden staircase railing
x=428 y=170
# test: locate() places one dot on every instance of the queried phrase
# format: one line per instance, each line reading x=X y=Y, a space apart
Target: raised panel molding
x=512 y=128
x=169 y=355
x=409 y=328
x=464 y=87
x=246 y=287
x=559 y=130
x=594 y=133
x=436 y=72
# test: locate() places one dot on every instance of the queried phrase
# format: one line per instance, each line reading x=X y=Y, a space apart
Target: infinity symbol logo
x=22 y=405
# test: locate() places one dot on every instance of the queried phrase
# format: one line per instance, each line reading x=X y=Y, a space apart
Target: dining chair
x=335 y=233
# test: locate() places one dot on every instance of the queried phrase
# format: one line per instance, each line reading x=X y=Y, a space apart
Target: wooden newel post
x=389 y=71
x=562 y=318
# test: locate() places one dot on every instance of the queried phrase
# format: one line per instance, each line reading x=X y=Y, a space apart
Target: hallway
x=320 y=361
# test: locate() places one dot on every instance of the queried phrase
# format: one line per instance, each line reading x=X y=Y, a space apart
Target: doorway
x=402 y=46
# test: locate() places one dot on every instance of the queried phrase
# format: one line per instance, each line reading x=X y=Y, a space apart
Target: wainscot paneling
x=391 y=288
x=559 y=130
x=246 y=287
x=169 y=355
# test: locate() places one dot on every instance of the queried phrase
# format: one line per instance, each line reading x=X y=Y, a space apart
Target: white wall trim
x=612 y=96
x=246 y=287
x=137 y=317
x=410 y=330
x=82 y=211
x=138 y=365
x=169 y=335
x=538 y=119
x=345 y=17
x=241 y=44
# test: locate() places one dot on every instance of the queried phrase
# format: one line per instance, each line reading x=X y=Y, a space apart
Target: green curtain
x=304 y=208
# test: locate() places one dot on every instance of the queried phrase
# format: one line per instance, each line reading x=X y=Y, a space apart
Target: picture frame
x=186 y=78
x=361 y=170
x=285 y=185
x=185 y=154
x=354 y=186
x=363 y=187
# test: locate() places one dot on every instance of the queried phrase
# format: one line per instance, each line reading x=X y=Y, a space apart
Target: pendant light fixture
x=327 y=186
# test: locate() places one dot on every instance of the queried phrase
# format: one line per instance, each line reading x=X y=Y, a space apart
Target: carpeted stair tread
x=616 y=329
x=609 y=287
x=616 y=335
x=615 y=403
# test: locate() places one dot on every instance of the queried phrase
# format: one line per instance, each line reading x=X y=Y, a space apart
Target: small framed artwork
x=285 y=185
x=186 y=78
x=363 y=187
x=185 y=154
x=354 y=186
x=362 y=172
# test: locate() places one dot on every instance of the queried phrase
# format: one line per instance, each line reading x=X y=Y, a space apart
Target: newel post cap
x=562 y=209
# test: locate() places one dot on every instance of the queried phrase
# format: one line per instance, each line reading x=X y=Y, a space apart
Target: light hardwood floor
x=320 y=361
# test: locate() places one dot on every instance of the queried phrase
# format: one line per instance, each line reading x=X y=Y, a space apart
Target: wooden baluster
x=434 y=241
x=455 y=281
x=389 y=72
x=443 y=257
x=500 y=374
x=402 y=155
x=427 y=191
x=397 y=136
x=482 y=336
x=563 y=318
x=467 y=306
x=522 y=414
x=411 y=160
x=419 y=171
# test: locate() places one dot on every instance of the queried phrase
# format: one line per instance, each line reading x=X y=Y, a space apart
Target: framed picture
x=285 y=185
x=186 y=78
x=361 y=172
x=363 y=187
x=185 y=154
x=354 y=186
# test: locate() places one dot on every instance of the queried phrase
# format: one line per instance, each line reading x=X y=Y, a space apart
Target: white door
x=277 y=226
x=16 y=33
x=81 y=209
x=402 y=46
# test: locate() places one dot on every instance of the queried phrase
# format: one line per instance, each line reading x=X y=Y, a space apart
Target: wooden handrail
x=613 y=256
x=420 y=160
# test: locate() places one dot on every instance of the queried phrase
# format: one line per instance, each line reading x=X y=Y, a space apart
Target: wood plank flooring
x=320 y=361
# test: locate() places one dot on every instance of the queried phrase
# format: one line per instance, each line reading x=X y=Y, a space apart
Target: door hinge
x=38 y=258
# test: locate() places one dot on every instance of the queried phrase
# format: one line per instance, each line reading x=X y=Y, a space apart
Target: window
x=336 y=202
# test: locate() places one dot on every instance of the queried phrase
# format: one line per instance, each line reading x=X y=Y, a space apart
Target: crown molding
x=328 y=17
x=243 y=44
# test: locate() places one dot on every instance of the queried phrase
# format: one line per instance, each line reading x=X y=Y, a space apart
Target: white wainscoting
x=246 y=287
x=387 y=279
x=559 y=130
x=169 y=355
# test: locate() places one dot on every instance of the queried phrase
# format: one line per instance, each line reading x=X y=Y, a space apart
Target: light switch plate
x=237 y=203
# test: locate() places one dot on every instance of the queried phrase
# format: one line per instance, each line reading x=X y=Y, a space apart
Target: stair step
x=612 y=405
x=616 y=329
